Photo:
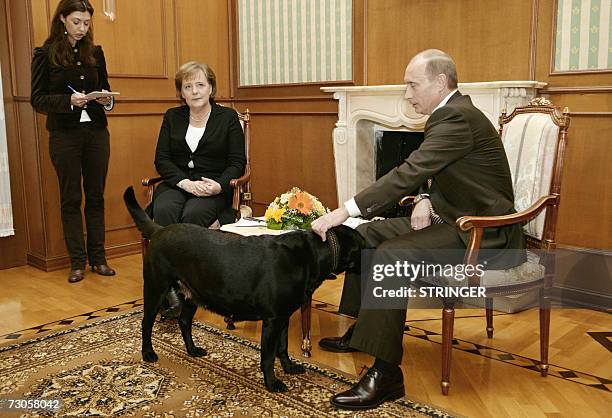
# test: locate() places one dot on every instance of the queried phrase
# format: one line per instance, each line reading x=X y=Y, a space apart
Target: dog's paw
x=293 y=368
x=277 y=386
x=197 y=352
x=149 y=356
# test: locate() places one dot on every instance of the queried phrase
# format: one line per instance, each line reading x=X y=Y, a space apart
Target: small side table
x=241 y=228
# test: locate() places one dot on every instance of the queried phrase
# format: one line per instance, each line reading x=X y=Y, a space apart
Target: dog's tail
x=143 y=222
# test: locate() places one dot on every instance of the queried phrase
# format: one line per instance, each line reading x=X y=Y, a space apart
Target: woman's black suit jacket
x=50 y=93
x=219 y=155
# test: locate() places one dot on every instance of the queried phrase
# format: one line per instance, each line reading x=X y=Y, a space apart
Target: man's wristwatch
x=420 y=197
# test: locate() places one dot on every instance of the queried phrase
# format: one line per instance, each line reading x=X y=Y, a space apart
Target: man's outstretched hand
x=329 y=220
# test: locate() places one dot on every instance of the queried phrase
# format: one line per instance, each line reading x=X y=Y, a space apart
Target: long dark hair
x=60 y=50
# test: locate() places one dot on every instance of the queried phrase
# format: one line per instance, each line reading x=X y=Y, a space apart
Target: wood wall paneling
x=586 y=202
x=133 y=141
x=33 y=199
x=19 y=37
x=586 y=194
x=292 y=125
x=583 y=102
x=199 y=37
x=12 y=249
x=488 y=40
x=135 y=44
x=41 y=13
x=289 y=151
x=141 y=51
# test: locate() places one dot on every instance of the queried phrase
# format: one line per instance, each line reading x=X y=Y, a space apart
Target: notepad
x=97 y=94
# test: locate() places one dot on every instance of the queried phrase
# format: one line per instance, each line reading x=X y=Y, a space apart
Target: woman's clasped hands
x=201 y=188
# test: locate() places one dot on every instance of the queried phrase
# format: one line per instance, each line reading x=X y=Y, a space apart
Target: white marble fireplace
x=363 y=110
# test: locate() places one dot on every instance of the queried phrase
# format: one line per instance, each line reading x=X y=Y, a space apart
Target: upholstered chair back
x=531 y=138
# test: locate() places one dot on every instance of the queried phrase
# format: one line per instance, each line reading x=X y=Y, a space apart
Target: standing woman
x=64 y=69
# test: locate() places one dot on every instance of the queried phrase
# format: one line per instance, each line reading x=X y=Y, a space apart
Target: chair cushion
x=528 y=272
x=530 y=141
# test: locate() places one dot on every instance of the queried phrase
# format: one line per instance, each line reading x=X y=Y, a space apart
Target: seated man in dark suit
x=463 y=158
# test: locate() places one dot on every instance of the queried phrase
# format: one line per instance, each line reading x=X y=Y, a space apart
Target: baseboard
x=569 y=296
x=508 y=303
x=57 y=263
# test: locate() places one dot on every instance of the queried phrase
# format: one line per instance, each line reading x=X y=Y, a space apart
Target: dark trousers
x=172 y=205
x=80 y=157
x=379 y=332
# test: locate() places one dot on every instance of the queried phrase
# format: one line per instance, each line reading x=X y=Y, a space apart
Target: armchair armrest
x=234 y=183
x=237 y=184
x=476 y=225
x=406 y=200
x=150 y=183
x=466 y=223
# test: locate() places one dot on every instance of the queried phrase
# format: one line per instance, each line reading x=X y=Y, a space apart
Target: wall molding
x=147 y=76
x=593 y=114
x=587 y=250
x=125 y=114
x=177 y=45
x=580 y=297
x=533 y=39
x=299 y=113
x=580 y=72
x=577 y=89
x=57 y=263
x=128 y=99
x=284 y=99
x=307 y=84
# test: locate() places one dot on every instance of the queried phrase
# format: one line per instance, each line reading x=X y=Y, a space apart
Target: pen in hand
x=78 y=99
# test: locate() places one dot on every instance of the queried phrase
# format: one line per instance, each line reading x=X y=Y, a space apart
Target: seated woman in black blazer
x=199 y=150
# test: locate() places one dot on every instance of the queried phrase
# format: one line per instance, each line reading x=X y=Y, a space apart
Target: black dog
x=250 y=278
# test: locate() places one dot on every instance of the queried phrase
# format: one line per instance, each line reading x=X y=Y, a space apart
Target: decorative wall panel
x=284 y=41
x=583 y=36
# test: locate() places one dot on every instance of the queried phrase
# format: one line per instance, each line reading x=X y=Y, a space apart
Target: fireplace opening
x=392 y=148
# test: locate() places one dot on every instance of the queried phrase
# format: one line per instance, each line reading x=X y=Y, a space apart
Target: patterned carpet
x=95 y=369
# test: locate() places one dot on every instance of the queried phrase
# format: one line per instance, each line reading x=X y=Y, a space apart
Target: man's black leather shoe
x=374 y=388
x=339 y=344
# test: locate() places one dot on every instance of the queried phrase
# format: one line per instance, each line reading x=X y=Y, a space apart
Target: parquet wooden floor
x=489 y=377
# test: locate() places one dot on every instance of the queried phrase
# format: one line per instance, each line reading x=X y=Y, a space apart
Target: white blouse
x=193 y=137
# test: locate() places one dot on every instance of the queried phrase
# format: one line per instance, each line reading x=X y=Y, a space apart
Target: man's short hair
x=439 y=62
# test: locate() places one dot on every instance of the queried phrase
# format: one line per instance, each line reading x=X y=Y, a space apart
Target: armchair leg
x=489 y=314
x=544 y=332
x=306 y=344
x=448 y=320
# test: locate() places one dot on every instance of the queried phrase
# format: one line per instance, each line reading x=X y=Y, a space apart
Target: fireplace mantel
x=365 y=109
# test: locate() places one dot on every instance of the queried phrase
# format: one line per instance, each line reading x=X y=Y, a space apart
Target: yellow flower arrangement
x=295 y=209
